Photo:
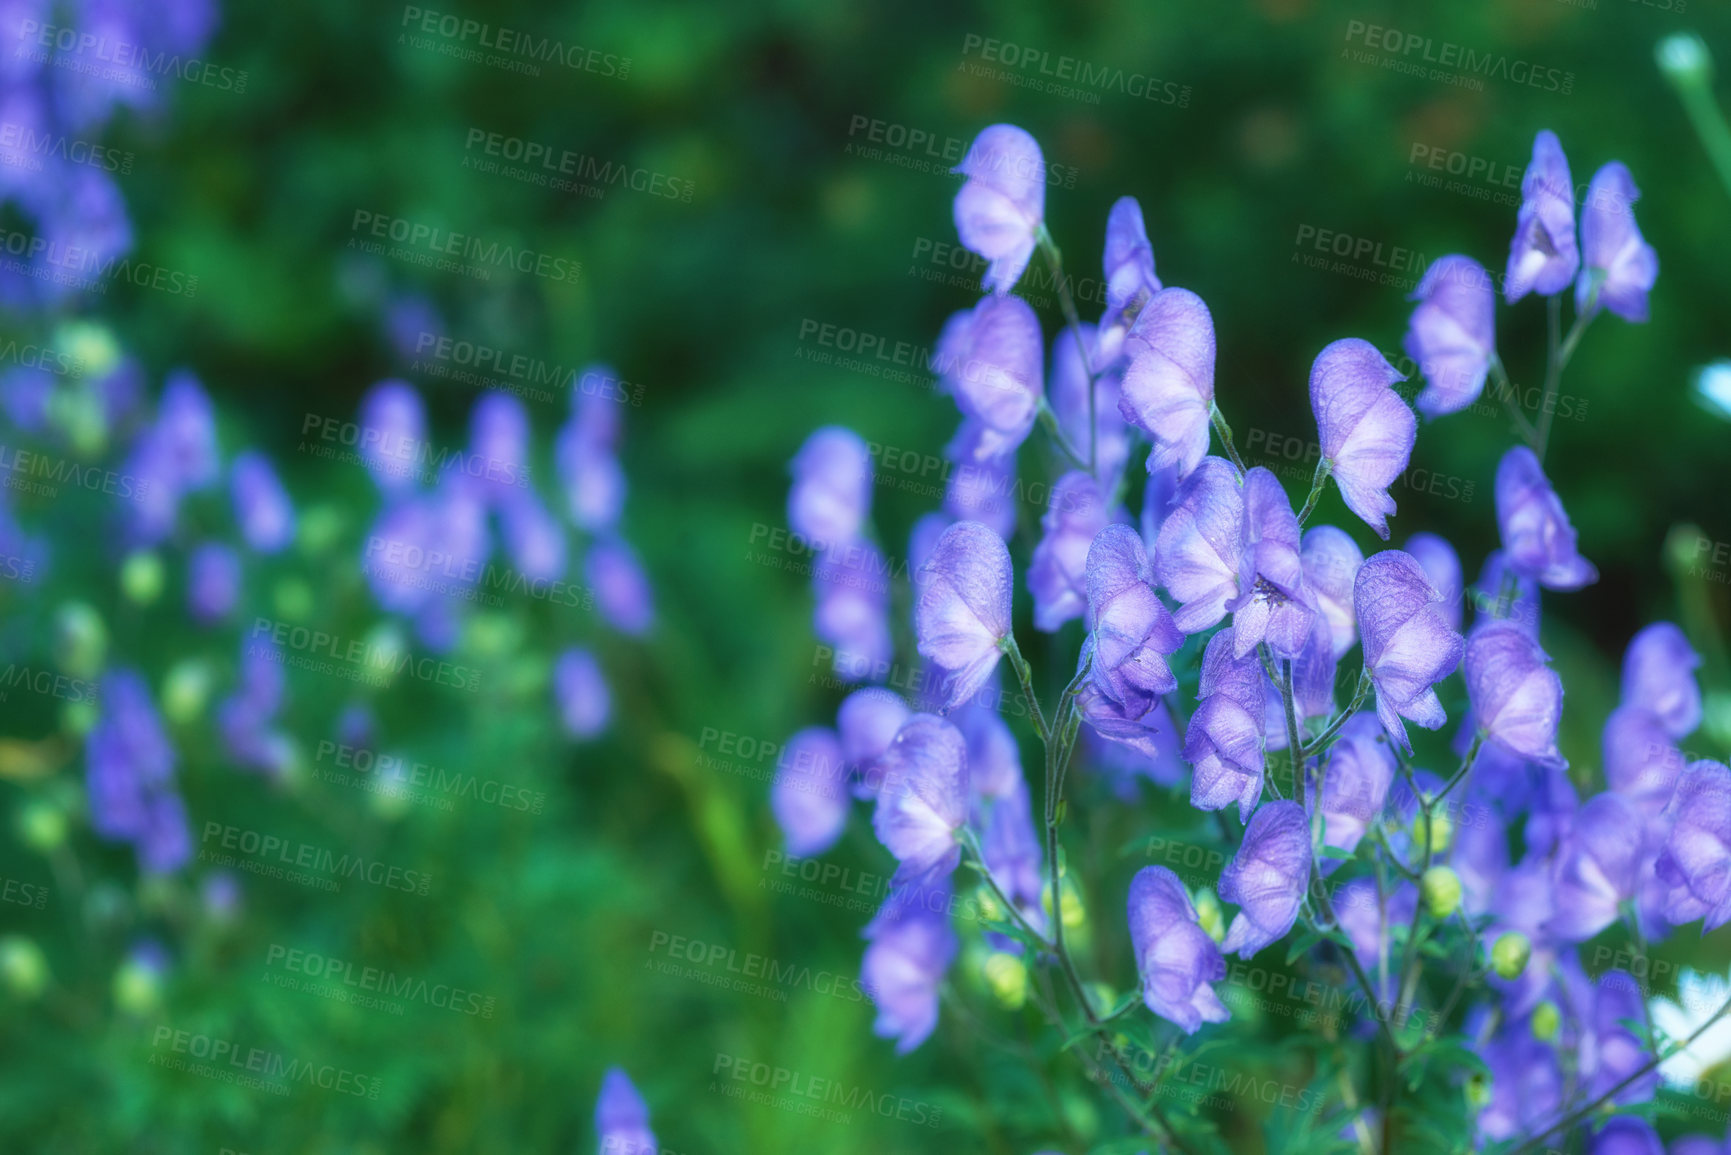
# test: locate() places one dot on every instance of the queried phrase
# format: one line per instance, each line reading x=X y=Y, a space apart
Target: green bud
x=318 y=528
x=185 y=690
x=1209 y=913
x=1546 y=1020
x=78 y=718
x=22 y=966
x=141 y=577
x=1510 y=954
x=41 y=825
x=1441 y=888
x=90 y=344
x=1442 y=832
x=293 y=599
x=137 y=987
x=1007 y=975
x=1684 y=59
x=80 y=640
x=1478 y=1090
x=991 y=910
x=1074 y=915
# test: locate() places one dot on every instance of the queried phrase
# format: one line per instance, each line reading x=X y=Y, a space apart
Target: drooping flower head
x=1076 y=515
x=622 y=1117
x=1273 y=604
x=1225 y=739
x=810 y=797
x=1408 y=645
x=620 y=586
x=911 y=948
x=1355 y=782
x=1612 y=249
x=1443 y=567
x=1132 y=629
x=992 y=361
x=261 y=504
x=1517 y=698
x=852 y=585
x=1201 y=541
x=129 y=776
x=1538 y=541
x=1267 y=878
x=498 y=445
x=1543 y=257
x=1452 y=334
x=962 y=606
x=1502 y=593
x=213 y=577
x=981 y=489
x=1642 y=762
x=1331 y=561
x=1002 y=204
x=393 y=432
x=1365 y=429
x=1128 y=262
x=1598 y=866
x=1168 y=389
x=832 y=487
x=580 y=693
x=1627 y=1135
x=923 y=800
x=533 y=538
x=1174 y=955
x=1659 y=675
x=1695 y=866
x=868 y=721
x=244 y=718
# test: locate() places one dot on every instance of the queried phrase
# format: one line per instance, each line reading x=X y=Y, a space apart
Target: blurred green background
x=771 y=114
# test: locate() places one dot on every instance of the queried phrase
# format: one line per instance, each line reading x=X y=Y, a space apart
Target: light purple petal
x=810 y=795
x=1365 y=429
x=992 y=361
x=1659 y=674
x=1517 y=698
x=1000 y=207
x=1538 y=541
x=1168 y=388
x=1452 y=333
x=1612 y=245
x=1267 y=878
x=962 y=606
x=1543 y=257
x=1075 y=517
x=1174 y=955
x=832 y=487
x=924 y=797
x=1200 y=544
x=1408 y=645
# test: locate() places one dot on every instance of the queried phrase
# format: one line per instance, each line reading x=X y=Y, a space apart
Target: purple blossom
x=1001 y=206
x=621 y=588
x=393 y=431
x=1626 y=1135
x=1617 y=1052
x=1543 y=257
x=832 y=487
x=1442 y=566
x=962 y=606
x=980 y=489
x=589 y=473
x=1597 y=867
x=1355 y=783
x=129 y=768
x=1128 y=262
x=1133 y=631
x=1498 y=581
x=1612 y=249
x=810 y=795
x=533 y=537
x=1273 y=604
x=1011 y=849
x=911 y=948
x=1076 y=515
x=1695 y=866
x=1516 y=697
x=1225 y=738
x=994 y=758
x=1331 y=560
x=1168 y=389
x=868 y=722
x=1659 y=674
x=1267 y=878
x=622 y=1117
x=1526 y=1083
x=1157 y=498
x=1538 y=541
x=1642 y=762
x=1408 y=645
x=1174 y=955
x=213 y=577
x=852 y=615
x=1069 y=398
x=1366 y=430
x=244 y=718
x=1355 y=905
x=1201 y=543
x=991 y=359
x=261 y=504
x=580 y=693
x=923 y=801
x=923 y=538
x=1452 y=334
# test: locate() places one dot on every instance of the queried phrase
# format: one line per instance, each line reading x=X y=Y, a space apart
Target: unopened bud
x=80 y=640
x=1007 y=975
x=1684 y=59
x=185 y=690
x=1209 y=914
x=41 y=825
x=1510 y=954
x=22 y=966
x=1546 y=1020
x=141 y=577
x=1441 y=887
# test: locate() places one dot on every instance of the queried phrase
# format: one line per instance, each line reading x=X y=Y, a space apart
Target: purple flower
x=1538 y=541
x=911 y=948
x=923 y=538
x=1659 y=674
x=1273 y=604
x=498 y=444
x=166 y=842
x=1627 y=1135
x=1002 y=204
x=991 y=359
x=244 y=718
x=1076 y=515
x=1012 y=850
x=994 y=758
x=962 y=606
x=1617 y=1051
x=1174 y=955
x=1502 y=594
x=1168 y=389
x=1542 y=256
x=832 y=487
x=1612 y=249
x=580 y=693
x=1069 y=398
x=1597 y=867
x=261 y=504
x=1366 y=430
x=589 y=472
x=533 y=537
x=810 y=796
x=1526 y=1083
x=1516 y=697
x=1355 y=905
x=1408 y=645
x=1355 y=783
x=924 y=798
x=212 y=583
x=1128 y=262
x=1201 y=542
x=1331 y=560
x=852 y=616
x=1225 y=738
x=621 y=588
x=1452 y=334
x=393 y=431
x=622 y=1117
x=1157 y=498
x=1267 y=878
x=1133 y=631
x=1442 y=566
x=1695 y=866
x=868 y=722
x=980 y=489
x=1642 y=761
x=129 y=768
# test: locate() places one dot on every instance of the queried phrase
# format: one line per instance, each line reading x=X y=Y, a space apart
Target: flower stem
x=1025 y=676
x=1055 y=261
x=1316 y=744
x=1318 y=481
x=1507 y=390
x=1219 y=420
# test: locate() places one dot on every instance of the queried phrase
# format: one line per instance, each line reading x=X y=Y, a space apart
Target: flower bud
x=1546 y=1020
x=1509 y=955
x=1209 y=913
x=185 y=691
x=1684 y=60
x=141 y=577
x=78 y=718
x=293 y=599
x=91 y=344
x=1441 y=887
x=1007 y=975
x=1442 y=832
x=1074 y=915
x=41 y=825
x=80 y=640
x=22 y=966
x=138 y=982
x=1478 y=1090
x=991 y=910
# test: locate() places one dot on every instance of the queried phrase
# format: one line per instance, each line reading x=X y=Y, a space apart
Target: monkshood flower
x=1479 y=853
x=129 y=767
x=810 y=796
x=1617 y=1052
x=923 y=538
x=1127 y=723
x=1157 y=498
x=1002 y=205
x=1517 y=698
x=621 y=588
x=853 y=609
x=1598 y=866
x=622 y=1117
x=923 y=801
x=1366 y=430
x=911 y=948
x=212 y=583
x=1331 y=560
x=1174 y=955
x=1123 y=767
x=1408 y=645
x=1012 y=850
x=1695 y=866
x=498 y=445
x=868 y=721
x=1443 y=567
x=1659 y=674
x=1642 y=762
x=261 y=505
x=393 y=431
x=1613 y=252
x=1225 y=738
x=1452 y=334
x=1627 y=1135
x=1360 y=914
x=832 y=487
x=1273 y=604
x=1523 y=902
x=1543 y=257
x=992 y=364
x=1503 y=593
x=580 y=693
x=1313 y=675
x=1526 y=1082
x=1128 y=263
x=1267 y=878
x=980 y=489
x=1076 y=515
x=590 y=474
x=1168 y=389
x=1355 y=783
x=244 y=718
x=1538 y=541
x=1069 y=398
x=1201 y=541
x=186 y=427
x=1701 y=1144
x=1133 y=632
x=994 y=758
x=962 y=606
x=532 y=536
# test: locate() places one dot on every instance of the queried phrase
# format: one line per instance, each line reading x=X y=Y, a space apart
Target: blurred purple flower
x=213 y=577
x=911 y=948
x=832 y=487
x=622 y=1117
x=1355 y=782
x=1642 y=762
x=1365 y=429
x=1267 y=878
x=1612 y=249
x=1168 y=389
x=1069 y=399
x=992 y=359
x=1201 y=543
x=1174 y=955
x=1074 y=518
x=923 y=800
x=261 y=504
x=1452 y=333
x=1543 y=257
x=129 y=768
x=1517 y=699
x=1538 y=541
x=244 y=718
x=1128 y=262
x=1408 y=645
x=852 y=585
x=622 y=592
x=532 y=536
x=1526 y=1083
x=1626 y=1135
x=580 y=693
x=980 y=489
x=1331 y=560
x=810 y=795
x=868 y=722
x=1695 y=866
x=1001 y=206
x=1442 y=566
x=393 y=432
x=962 y=606
x=1597 y=867
x=1659 y=674
x=1224 y=740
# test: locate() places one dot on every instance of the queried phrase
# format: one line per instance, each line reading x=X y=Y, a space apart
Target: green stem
x=1049 y=420
x=1055 y=261
x=1025 y=676
x=1507 y=389
x=1294 y=746
x=1316 y=744
x=1219 y=421
x=1709 y=123
x=1318 y=481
